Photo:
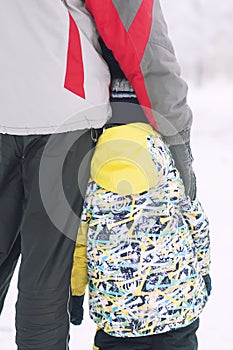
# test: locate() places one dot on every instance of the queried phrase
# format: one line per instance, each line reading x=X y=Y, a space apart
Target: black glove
x=208 y=285
x=183 y=159
x=76 y=309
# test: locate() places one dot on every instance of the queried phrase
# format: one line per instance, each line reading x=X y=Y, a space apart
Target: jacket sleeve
x=79 y=270
x=79 y=276
x=136 y=33
x=199 y=227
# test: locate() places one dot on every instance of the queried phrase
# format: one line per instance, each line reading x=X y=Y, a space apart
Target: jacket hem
x=79 y=125
x=177 y=324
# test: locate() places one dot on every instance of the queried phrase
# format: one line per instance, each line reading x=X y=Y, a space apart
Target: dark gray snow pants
x=42 y=183
x=180 y=339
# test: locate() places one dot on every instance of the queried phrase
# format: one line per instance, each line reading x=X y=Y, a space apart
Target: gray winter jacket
x=53 y=78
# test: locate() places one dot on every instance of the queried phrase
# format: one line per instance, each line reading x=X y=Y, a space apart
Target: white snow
x=212 y=144
x=201 y=31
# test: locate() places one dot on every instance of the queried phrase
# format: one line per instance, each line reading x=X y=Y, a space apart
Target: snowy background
x=202 y=33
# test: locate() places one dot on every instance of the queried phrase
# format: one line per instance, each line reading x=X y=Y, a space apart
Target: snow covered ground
x=212 y=144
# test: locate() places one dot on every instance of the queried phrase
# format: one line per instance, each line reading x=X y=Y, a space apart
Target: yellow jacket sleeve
x=79 y=275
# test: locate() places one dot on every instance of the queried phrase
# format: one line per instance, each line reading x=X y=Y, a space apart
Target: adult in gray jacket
x=53 y=98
